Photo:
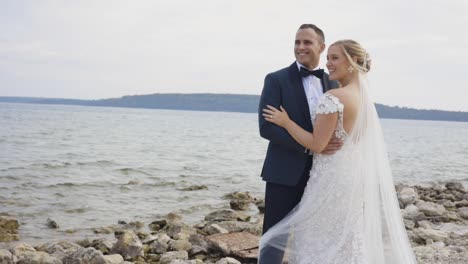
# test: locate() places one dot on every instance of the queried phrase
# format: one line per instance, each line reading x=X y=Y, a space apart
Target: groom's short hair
x=314 y=28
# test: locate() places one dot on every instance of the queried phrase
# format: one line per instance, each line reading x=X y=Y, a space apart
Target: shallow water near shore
x=88 y=167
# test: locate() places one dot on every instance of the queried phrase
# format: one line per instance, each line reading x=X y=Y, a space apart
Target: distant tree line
x=225 y=103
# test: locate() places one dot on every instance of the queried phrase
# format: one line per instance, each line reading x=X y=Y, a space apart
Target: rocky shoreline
x=435 y=216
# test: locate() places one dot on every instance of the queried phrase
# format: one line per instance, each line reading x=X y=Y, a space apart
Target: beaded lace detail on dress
x=332 y=232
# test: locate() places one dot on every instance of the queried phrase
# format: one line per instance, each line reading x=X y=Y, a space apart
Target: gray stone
x=243 y=245
x=456 y=186
x=407 y=195
x=409 y=224
x=179 y=261
x=103 y=245
x=228 y=261
x=239 y=205
x=21 y=248
x=430 y=209
x=113 y=259
x=52 y=224
x=128 y=245
x=180 y=231
x=85 y=256
x=215 y=229
x=432 y=234
x=178 y=245
x=463 y=211
x=38 y=257
x=167 y=257
x=6 y=257
x=60 y=249
x=226 y=215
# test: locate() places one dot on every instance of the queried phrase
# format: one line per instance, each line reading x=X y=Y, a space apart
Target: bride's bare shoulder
x=345 y=96
x=338 y=93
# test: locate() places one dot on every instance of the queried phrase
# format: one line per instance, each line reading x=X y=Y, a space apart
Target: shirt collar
x=300 y=65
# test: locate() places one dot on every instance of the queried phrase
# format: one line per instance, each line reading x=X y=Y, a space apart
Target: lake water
x=88 y=167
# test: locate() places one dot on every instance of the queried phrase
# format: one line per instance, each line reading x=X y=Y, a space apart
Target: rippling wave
x=72 y=171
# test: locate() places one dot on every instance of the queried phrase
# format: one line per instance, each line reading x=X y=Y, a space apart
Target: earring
x=350 y=69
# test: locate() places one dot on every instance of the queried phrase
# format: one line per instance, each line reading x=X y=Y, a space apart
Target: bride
x=349 y=212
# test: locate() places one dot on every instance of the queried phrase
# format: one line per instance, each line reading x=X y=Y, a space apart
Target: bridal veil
x=360 y=202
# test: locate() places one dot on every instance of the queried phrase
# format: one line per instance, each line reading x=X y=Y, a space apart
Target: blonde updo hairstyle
x=352 y=49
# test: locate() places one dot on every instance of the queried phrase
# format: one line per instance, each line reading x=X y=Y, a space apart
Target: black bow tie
x=317 y=73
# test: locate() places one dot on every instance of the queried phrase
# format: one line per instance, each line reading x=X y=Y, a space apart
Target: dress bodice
x=328 y=104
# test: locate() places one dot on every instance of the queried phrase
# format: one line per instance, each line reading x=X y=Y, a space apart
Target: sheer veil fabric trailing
x=349 y=212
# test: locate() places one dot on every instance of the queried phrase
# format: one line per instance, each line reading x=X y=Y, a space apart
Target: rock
x=243 y=245
x=173 y=217
x=134 y=182
x=455 y=186
x=6 y=257
x=6 y=236
x=158 y=224
x=407 y=195
x=228 y=261
x=160 y=244
x=128 y=245
x=38 y=257
x=167 y=257
x=198 y=240
x=60 y=249
x=432 y=234
x=430 y=209
x=8 y=229
x=215 y=229
x=104 y=230
x=113 y=259
x=52 y=224
x=409 y=224
x=452 y=216
x=412 y=212
x=235 y=226
x=103 y=245
x=226 y=215
x=197 y=250
x=8 y=223
x=463 y=203
x=240 y=196
x=178 y=261
x=179 y=245
x=180 y=231
x=194 y=188
x=239 y=205
x=260 y=205
x=463 y=211
x=150 y=239
x=461 y=230
x=21 y=248
x=85 y=256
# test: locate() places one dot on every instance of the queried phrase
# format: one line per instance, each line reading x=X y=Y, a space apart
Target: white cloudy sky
x=94 y=49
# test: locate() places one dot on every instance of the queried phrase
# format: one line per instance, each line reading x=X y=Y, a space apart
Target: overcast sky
x=99 y=49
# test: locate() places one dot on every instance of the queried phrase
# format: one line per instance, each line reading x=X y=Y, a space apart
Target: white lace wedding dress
x=349 y=213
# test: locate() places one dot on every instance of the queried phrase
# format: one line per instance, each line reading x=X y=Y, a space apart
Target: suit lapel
x=299 y=91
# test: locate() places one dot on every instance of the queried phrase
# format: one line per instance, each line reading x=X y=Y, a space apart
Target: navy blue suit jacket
x=286 y=160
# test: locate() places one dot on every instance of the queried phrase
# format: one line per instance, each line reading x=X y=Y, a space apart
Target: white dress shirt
x=312 y=87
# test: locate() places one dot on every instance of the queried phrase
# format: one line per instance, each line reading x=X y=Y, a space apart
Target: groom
x=287 y=164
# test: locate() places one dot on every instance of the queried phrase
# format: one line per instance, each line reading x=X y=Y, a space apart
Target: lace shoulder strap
x=328 y=104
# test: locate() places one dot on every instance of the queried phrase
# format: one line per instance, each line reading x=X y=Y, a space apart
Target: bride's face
x=337 y=63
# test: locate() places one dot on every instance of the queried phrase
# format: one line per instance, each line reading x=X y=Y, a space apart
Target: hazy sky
x=98 y=49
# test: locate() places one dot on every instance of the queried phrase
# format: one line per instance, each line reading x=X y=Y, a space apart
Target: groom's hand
x=333 y=146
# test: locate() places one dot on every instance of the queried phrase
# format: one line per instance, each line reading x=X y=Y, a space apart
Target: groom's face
x=307 y=47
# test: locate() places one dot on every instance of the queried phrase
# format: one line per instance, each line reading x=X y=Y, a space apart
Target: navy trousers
x=279 y=201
